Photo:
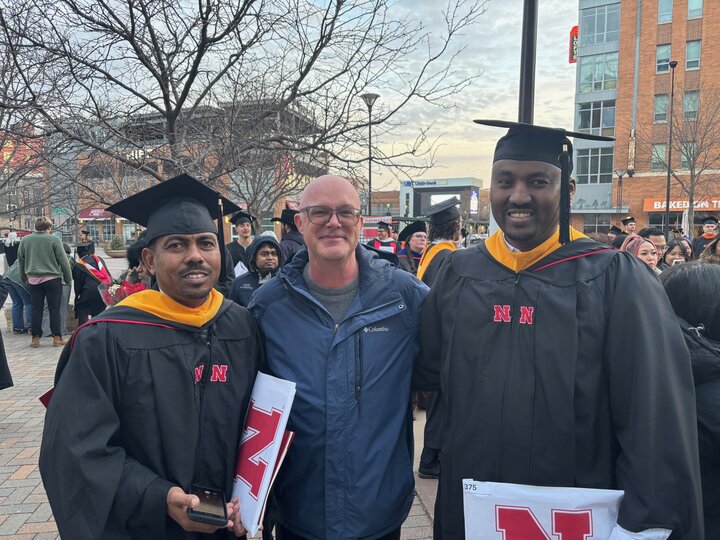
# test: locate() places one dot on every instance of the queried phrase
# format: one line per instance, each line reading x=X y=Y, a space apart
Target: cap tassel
x=221 y=240
x=565 y=169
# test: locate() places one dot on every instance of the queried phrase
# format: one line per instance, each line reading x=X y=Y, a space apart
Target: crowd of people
x=547 y=358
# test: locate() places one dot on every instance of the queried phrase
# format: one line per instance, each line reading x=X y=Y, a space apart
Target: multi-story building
x=644 y=65
x=596 y=94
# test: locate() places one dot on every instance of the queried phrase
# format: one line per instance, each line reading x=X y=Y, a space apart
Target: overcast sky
x=493 y=49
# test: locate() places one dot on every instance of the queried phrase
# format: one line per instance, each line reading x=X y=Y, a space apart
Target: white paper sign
x=496 y=511
x=260 y=444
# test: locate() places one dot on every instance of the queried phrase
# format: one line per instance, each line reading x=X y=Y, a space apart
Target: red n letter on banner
x=519 y=523
x=502 y=313
x=260 y=431
x=570 y=525
x=526 y=314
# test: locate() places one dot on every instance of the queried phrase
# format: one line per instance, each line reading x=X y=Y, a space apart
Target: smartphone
x=678 y=261
x=212 y=508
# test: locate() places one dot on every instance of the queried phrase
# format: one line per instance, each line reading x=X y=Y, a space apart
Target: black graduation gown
x=589 y=385
x=87 y=294
x=238 y=254
x=127 y=420
x=434 y=265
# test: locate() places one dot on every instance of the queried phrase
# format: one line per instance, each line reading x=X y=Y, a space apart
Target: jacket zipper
x=203 y=381
x=358 y=372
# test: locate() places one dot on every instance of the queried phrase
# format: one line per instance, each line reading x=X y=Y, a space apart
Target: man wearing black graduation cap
x=242 y=221
x=292 y=239
x=630 y=225
x=552 y=374
x=151 y=395
x=384 y=240
x=444 y=235
x=699 y=243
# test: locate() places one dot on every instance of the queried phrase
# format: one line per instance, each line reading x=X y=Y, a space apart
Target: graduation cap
x=414 y=227
x=444 y=212
x=527 y=142
x=287 y=216
x=180 y=205
x=627 y=220
x=383 y=226
x=710 y=219
x=242 y=217
x=84 y=248
x=614 y=230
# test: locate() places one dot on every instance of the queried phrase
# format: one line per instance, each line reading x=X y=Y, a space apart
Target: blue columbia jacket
x=348 y=473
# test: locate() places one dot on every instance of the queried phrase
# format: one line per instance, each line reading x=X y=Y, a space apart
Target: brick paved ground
x=24 y=510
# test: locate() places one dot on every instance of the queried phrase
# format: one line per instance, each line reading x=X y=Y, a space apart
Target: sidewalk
x=24 y=510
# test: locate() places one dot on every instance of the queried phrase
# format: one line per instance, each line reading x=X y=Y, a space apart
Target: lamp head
x=673 y=64
x=370 y=98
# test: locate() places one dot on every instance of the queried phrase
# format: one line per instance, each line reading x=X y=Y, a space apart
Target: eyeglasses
x=321 y=215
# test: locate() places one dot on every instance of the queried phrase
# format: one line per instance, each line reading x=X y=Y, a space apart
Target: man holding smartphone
x=150 y=397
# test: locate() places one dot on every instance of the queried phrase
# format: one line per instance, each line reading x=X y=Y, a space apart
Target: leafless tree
x=206 y=87
x=695 y=145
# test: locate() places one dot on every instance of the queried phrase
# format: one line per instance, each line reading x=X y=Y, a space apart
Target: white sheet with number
x=497 y=511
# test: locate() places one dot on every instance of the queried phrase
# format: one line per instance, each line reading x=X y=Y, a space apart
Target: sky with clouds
x=493 y=50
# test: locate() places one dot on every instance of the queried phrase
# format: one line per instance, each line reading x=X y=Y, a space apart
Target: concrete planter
x=116 y=253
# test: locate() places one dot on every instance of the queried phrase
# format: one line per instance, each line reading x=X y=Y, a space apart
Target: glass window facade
x=687 y=155
x=658 y=156
x=596 y=223
x=662 y=58
x=594 y=166
x=598 y=72
x=597 y=118
x=600 y=25
x=692 y=55
x=660 y=108
x=695 y=9
x=691 y=103
x=665 y=8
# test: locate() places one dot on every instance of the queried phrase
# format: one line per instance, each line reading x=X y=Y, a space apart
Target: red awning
x=94 y=214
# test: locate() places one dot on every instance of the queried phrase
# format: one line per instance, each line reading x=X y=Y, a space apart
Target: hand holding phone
x=180 y=505
x=212 y=508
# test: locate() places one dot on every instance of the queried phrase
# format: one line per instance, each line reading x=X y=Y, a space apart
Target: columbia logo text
x=376 y=329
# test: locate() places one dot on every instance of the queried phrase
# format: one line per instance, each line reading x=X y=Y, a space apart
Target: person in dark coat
x=264 y=259
x=693 y=289
x=414 y=236
x=242 y=221
x=5 y=376
x=710 y=233
x=559 y=360
x=88 y=272
x=292 y=239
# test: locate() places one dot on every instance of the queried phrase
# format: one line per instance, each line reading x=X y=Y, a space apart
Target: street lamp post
x=369 y=100
x=673 y=65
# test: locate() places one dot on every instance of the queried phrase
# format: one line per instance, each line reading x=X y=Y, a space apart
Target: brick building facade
x=624 y=89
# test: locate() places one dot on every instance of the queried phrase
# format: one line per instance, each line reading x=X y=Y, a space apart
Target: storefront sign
x=679 y=205
x=94 y=214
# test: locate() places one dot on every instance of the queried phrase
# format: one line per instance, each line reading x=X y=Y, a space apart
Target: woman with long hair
x=675 y=253
x=643 y=249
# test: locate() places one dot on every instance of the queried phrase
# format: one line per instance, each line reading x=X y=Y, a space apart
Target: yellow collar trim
x=517 y=261
x=429 y=255
x=162 y=306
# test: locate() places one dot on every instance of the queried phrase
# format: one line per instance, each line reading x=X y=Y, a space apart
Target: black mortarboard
x=443 y=212
x=627 y=220
x=287 y=216
x=527 y=142
x=414 y=227
x=614 y=230
x=84 y=248
x=241 y=217
x=710 y=219
x=383 y=226
x=180 y=205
